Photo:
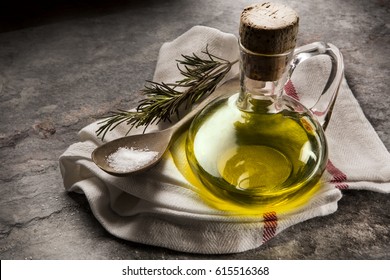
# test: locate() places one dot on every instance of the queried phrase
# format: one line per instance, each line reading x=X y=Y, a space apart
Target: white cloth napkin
x=160 y=207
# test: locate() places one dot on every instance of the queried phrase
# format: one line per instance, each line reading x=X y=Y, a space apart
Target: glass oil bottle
x=259 y=146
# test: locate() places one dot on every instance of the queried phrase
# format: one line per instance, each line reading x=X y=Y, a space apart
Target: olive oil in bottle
x=256 y=158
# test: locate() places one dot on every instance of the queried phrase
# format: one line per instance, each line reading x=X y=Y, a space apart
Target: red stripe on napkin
x=290 y=90
x=339 y=177
x=342 y=186
x=270 y=225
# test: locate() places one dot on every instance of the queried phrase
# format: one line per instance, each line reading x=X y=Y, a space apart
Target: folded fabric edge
x=211 y=237
x=379 y=187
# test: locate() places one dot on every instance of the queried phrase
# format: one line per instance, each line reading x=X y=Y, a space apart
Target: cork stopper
x=269 y=28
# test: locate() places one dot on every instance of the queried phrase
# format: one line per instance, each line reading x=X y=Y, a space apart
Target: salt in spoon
x=158 y=141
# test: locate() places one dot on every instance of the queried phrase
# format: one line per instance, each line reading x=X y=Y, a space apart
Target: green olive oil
x=257 y=158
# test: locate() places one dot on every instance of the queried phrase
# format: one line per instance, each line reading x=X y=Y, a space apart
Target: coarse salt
x=130 y=159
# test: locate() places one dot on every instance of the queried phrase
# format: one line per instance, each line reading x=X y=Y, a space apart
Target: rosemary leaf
x=163 y=100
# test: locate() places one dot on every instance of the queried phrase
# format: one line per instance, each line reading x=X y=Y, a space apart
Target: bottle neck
x=262 y=78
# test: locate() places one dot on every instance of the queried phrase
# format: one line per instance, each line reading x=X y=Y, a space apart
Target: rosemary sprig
x=163 y=100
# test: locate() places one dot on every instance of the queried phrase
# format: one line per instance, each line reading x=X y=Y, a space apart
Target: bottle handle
x=323 y=108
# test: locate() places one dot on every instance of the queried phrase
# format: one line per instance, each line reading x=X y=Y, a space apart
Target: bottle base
x=255 y=169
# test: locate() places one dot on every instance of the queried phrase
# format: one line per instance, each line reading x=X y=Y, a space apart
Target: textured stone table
x=66 y=64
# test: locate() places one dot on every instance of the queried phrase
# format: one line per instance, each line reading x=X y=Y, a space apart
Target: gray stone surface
x=66 y=64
